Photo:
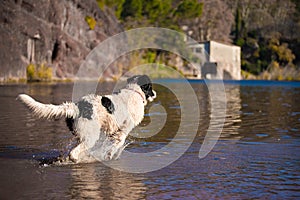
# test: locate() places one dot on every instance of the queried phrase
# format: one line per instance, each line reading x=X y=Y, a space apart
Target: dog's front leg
x=80 y=155
x=75 y=154
x=117 y=147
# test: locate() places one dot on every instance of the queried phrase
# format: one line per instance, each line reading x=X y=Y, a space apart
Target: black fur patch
x=147 y=89
x=70 y=123
x=85 y=109
x=144 y=82
x=108 y=104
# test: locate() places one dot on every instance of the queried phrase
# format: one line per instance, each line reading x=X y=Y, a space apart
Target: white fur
x=103 y=136
x=48 y=110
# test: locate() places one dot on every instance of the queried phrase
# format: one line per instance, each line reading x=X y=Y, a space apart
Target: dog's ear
x=139 y=79
x=145 y=83
x=143 y=80
x=134 y=79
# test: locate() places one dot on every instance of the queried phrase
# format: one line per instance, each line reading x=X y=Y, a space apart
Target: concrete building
x=217 y=60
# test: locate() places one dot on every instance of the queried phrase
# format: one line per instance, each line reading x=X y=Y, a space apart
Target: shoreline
x=192 y=79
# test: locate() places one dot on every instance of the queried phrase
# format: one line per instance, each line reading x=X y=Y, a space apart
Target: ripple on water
x=255 y=158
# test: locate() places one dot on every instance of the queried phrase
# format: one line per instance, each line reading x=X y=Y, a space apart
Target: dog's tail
x=49 y=111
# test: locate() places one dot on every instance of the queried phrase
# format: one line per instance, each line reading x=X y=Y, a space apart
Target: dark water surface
x=256 y=157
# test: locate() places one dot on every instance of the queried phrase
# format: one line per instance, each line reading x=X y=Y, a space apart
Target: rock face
x=51 y=32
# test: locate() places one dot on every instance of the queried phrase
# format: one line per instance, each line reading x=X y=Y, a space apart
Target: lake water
x=256 y=157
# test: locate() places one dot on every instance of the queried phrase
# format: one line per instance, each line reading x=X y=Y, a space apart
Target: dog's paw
x=74 y=154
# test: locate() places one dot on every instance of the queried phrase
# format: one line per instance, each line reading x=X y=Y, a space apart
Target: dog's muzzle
x=151 y=98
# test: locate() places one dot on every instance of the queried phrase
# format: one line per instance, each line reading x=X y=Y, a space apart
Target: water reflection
x=233 y=110
x=96 y=181
x=267 y=113
x=233 y=113
x=255 y=157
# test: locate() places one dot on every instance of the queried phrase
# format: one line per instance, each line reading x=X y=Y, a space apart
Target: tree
x=263 y=28
x=157 y=11
x=188 y=9
x=280 y=51
x=132 y=8
x=215 y=22
x=115 y=5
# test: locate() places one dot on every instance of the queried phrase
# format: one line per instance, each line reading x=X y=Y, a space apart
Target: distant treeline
x=268 y=31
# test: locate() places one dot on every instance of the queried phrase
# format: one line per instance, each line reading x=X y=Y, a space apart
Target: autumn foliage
x=268 y=31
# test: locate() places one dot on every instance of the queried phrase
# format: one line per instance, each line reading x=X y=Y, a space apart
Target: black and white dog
x=101 y=123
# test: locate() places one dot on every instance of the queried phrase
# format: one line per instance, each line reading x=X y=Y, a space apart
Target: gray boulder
x=51 y=32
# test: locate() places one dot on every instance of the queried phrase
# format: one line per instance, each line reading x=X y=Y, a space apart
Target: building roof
x=205 y=42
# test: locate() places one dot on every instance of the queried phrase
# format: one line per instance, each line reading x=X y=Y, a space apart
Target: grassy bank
x=155 y=71
x=274 y=72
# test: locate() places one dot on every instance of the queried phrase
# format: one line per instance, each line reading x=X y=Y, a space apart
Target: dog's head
x=146 y=85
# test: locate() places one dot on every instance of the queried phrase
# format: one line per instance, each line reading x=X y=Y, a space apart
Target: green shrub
x=38 y=72
x=101 y=4
x=91 y=22
x=30 y=72
x=44 y=73
x=240 y=42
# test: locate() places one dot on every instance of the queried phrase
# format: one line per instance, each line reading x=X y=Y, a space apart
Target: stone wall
x=51 y=32
x=217 y=60
x=228 y=59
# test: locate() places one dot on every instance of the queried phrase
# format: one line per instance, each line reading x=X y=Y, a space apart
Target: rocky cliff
x=55 y=33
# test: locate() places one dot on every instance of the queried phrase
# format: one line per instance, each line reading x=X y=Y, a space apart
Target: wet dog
x=101 y=123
